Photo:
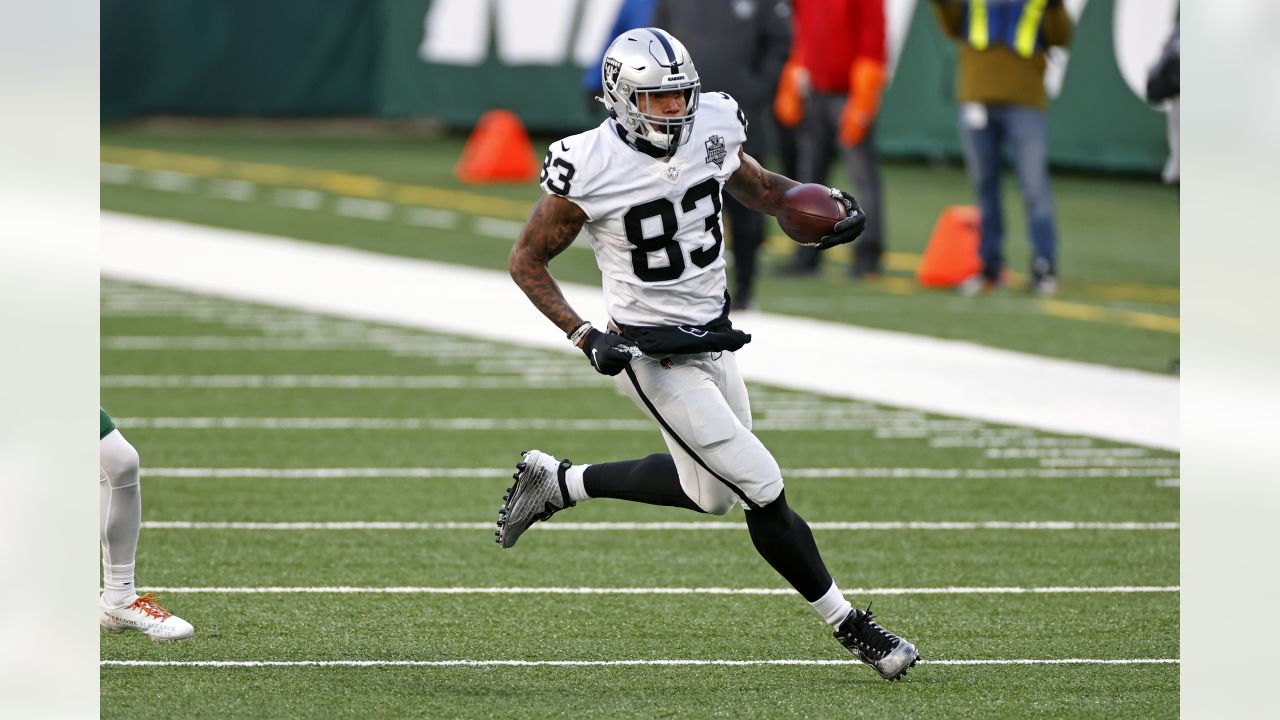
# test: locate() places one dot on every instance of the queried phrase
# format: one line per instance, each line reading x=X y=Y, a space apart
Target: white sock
x=832 y=606
x=117 y=585
x=573 y=481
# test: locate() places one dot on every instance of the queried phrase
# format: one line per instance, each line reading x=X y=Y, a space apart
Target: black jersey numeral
x=566 y=174
x=666 y=240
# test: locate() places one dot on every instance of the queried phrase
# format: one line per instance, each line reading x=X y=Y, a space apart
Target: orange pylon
x=951 y=256
x=497 y=151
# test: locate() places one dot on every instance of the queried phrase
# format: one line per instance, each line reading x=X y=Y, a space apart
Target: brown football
x=808 y=213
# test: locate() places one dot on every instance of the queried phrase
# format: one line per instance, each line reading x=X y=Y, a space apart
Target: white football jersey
x=654 y=225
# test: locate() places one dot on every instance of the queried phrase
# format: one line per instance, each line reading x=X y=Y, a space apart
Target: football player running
x=120 y=518
x=646 y=185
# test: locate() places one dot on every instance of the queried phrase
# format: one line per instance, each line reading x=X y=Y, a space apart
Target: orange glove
x=788 y=103
x=866 y=83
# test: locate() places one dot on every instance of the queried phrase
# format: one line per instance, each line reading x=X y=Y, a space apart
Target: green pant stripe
x=105 y=426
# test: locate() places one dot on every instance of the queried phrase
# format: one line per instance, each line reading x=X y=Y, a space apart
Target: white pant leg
x=700 y=402
x=120 y=513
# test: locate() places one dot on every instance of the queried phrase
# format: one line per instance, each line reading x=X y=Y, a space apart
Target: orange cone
x=952 y=254
x=497 y=151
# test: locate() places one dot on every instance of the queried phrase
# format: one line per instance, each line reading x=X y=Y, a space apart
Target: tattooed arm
x=757 y=188
x=762 y=191
x=553 y=224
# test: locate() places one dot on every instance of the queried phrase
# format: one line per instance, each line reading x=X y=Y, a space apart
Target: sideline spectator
x=740 y=46
x=632 y=14
x=1002 y=100
x=830 y=89
x=1163 y=86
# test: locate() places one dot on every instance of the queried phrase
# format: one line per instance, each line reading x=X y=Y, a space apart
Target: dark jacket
x=738 y=46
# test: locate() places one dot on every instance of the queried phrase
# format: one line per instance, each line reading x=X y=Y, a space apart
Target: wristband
x=578 y=333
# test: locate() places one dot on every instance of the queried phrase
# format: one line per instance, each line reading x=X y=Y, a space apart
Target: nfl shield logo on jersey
x=715 y=150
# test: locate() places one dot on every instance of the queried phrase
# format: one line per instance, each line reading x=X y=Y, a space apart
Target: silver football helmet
x=641 y=62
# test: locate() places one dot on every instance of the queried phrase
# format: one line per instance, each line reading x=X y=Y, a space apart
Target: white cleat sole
x=113 y=627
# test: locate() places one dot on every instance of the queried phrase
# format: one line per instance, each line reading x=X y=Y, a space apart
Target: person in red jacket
x=830 y=91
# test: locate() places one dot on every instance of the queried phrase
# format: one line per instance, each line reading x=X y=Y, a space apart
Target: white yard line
x=340 y=423
x=607 y=663
x=893 y=368
x=314 y=473
x=497 y=227
x=363 y=208
x=975 y=474
x=836 y=473
x=788 y=592
x=355 y=382
x=431 y=217
x=259 y=343
x=237 y=190
x=297 y=199
x=887 y=425
x=169 y=181
x=611 y=526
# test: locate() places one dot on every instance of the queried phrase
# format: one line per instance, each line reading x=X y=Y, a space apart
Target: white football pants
x=700 y=402
x=120 y=512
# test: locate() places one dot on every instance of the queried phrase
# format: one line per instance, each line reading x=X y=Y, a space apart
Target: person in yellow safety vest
x=1000 y=88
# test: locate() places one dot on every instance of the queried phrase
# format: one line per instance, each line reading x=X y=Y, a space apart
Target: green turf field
x=1037 y=573
x=394 y=194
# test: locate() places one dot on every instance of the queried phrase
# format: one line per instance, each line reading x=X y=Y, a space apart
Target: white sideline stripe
x=600 y=526
x=606 y=663
x=789 y=473
x=893 y=368
x=347 y=590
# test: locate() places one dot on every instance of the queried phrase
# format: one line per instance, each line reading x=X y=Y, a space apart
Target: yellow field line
x=1131 y=318
x=340 y=183
x=1113 y=292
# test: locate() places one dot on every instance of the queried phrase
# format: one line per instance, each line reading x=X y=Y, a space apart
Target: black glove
x=848 y=229
x=608 y=352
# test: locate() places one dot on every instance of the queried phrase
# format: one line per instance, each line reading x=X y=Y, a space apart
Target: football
x=808 y=213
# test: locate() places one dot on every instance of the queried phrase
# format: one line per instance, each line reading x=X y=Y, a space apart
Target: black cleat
x=889 y=654
x=538 y=493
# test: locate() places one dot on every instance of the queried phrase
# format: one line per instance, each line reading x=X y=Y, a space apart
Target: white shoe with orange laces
x=146 y=616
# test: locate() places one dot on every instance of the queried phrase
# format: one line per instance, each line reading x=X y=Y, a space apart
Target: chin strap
x=643 y=145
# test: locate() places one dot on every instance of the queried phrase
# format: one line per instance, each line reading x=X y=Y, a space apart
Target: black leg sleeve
x=785 y=541
x=652 y=481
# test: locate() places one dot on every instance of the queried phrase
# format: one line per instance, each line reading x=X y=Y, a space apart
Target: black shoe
x=889 y=654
